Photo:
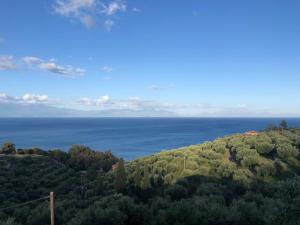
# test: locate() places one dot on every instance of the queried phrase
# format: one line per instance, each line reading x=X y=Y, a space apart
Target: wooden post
x=52 y=213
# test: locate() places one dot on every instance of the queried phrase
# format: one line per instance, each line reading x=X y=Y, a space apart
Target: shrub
x=265 y=169
x=264 y=147
x=226 y=169
x=8 y=148
x=243 y=176
x=286 y=150
x=250 y=161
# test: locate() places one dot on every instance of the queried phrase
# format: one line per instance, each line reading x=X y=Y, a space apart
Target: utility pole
x=52 y=213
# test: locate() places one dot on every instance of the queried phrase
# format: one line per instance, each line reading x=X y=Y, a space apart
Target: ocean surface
x=129 y=138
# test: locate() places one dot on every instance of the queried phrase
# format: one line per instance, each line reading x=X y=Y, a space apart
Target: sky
x=189 y=58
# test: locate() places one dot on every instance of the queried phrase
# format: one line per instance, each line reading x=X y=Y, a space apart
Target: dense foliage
x=238 y=179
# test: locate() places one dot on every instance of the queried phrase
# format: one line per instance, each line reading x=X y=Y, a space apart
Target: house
x=252 y=133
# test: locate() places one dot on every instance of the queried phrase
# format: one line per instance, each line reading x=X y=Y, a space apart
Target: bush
x=243 y=176
x=8 y=148
x=286 y=150
x=264 y=147
x=226 y=169
x=265 y=169
x=250 y=161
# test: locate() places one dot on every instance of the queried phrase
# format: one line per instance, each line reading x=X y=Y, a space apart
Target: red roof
x=252 y=133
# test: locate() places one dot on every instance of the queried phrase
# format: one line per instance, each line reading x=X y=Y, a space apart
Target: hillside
x=239 y=179
x=244 y=158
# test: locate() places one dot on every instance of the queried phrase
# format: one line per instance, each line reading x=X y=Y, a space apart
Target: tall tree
x=146 y=180
x=120 y=180
x=283 y=124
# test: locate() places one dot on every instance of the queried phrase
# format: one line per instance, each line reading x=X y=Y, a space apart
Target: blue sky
x=194 y=58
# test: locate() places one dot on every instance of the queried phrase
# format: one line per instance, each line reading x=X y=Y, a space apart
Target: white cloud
x=183 y=109
x=113 y=7
x=108 y=24
x=101 y=101
x=31 y=98
x=133 y=103
x=154 y=87
x=107 y=69
x=53 y=67
x=67 y=71
x=5 y=98
x=25 y=99
x=88 y=12
x=7 y=63
x=75 y=8
x=32 y=60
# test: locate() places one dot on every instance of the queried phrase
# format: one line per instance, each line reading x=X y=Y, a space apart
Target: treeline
x=79 y=157
x=243 y=179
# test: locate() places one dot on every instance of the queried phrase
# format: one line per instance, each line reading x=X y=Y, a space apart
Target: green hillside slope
x=244 y=158
x=239 y=179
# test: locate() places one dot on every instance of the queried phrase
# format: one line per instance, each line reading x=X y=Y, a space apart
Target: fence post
x=52 y=212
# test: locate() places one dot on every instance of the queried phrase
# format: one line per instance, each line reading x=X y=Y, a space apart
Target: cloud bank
x=25 y=99
x=107 y=106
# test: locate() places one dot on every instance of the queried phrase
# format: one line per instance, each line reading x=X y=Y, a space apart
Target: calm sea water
x=126 y=137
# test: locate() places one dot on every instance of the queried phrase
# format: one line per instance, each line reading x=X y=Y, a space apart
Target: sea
x=128 y=138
